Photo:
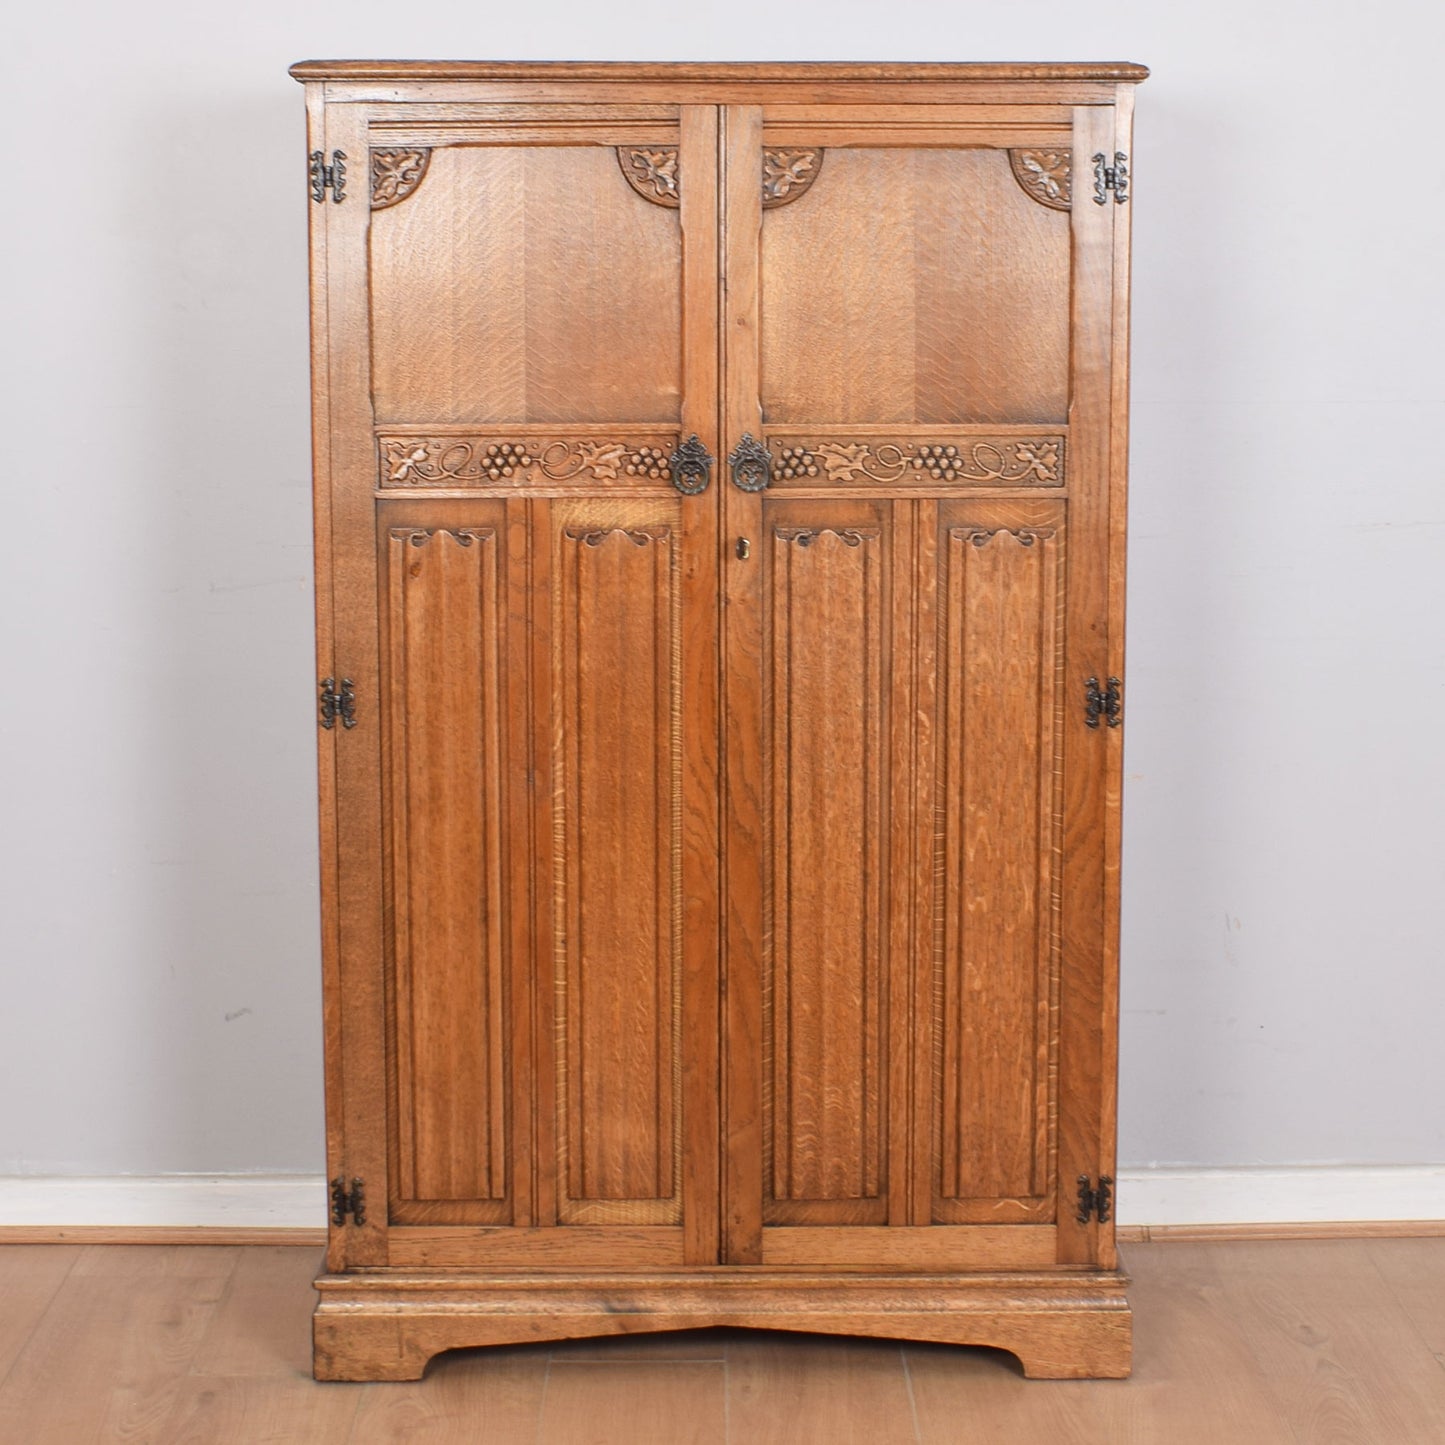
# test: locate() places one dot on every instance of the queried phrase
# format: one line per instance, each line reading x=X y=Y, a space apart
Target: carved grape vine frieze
x=395 y=174
x=651 y=171
x=1000 y=461
x=982 y=536
x=478 y=461
x=787 y=174
x=1047 y=176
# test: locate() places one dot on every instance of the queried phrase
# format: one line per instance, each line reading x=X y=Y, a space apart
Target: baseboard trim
x=215 y=1234
x=1307 y=1202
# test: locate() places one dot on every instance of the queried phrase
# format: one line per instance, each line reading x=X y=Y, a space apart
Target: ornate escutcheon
x=751 y=462
x=691 y=467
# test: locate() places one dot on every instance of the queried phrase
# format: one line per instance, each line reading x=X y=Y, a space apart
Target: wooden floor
x=1306 y=1343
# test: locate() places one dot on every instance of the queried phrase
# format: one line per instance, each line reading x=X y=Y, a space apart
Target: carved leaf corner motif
x=787 y=174
x=651 y=171
x=395 y=174
x=1046 y=176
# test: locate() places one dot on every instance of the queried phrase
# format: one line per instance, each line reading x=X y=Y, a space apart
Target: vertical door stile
x=742 y=513
x=1084 y=1080
x=354 y=610
x=698 y=168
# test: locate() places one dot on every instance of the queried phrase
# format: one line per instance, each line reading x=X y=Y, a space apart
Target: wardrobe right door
x=917 y=412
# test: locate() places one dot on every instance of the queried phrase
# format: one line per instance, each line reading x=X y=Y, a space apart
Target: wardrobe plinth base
x=386 y=1326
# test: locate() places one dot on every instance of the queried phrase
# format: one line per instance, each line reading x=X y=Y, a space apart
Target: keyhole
x=744 y=549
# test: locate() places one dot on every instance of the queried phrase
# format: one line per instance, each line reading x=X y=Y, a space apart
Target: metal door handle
x=751 y=463
x=691 y=467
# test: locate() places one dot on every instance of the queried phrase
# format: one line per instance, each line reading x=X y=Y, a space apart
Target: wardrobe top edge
x=801 y=71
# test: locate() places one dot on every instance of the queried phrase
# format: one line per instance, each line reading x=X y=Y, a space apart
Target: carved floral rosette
x=652 y=171
x=396 y=173
x=1046 y=175
x=988 y=461
x=482 y=461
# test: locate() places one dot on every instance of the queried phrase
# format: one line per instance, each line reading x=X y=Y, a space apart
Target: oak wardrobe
x=719 y=546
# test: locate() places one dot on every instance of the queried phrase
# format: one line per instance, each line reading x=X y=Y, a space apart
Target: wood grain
x=914 y=286
x=485 y=310
x=136 y=1317
x=727 y=877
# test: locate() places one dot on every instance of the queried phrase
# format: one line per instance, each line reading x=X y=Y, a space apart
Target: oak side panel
x=357 y=858
x=1084 y=1009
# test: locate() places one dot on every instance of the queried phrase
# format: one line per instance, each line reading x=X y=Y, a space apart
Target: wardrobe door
x=526 y=602
x=917 y=394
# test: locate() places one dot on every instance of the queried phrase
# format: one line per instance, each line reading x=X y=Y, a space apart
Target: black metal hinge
x=333 y=704
x=1095 y=1203
x=324 y=177
x=1111 y=178
x=1107 y=704
x=346 y=1201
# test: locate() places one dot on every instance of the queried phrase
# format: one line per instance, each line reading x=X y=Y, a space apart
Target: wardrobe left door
x=516 y=326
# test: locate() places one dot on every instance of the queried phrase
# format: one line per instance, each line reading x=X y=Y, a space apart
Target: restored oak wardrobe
x=719 y=543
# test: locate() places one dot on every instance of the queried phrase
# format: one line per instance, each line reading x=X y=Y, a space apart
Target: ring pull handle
x=751 y=463
x=691 y=467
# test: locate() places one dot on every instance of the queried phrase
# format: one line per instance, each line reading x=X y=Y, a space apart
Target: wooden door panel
x=444 y=618
x=827 y=714
x=542 y=334
x=914 y=285
x=902 y=338
x=526 y=283
x=997 y=838
x=617 y=759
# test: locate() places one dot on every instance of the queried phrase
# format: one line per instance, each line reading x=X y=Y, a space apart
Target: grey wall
x=1286 y=800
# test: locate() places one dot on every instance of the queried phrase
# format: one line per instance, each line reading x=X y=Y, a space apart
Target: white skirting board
x=1296 y=1195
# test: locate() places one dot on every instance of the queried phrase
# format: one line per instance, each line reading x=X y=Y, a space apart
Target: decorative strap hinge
x=1095 y=1203
x=337 y=703
x=1111 y=178
x=1107 y=703
x=348 y=1203
x=325 y=177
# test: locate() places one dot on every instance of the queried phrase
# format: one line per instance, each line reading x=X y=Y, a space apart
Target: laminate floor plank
x=107 y=1359
x=1194 y=1380
x=650 y=1402
x=1414 y=1269
x=278 y=1409
x=263 y=1325
x=783 y=1389
x=1343 y=1360
x=30 y=1277
x=1272 y=1343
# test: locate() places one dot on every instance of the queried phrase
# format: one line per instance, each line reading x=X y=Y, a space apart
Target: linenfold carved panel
x=987 y=461
x=616 y=760
x=479 y=461
x=395 y=174
x=444 y=619
x=1047 y=176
